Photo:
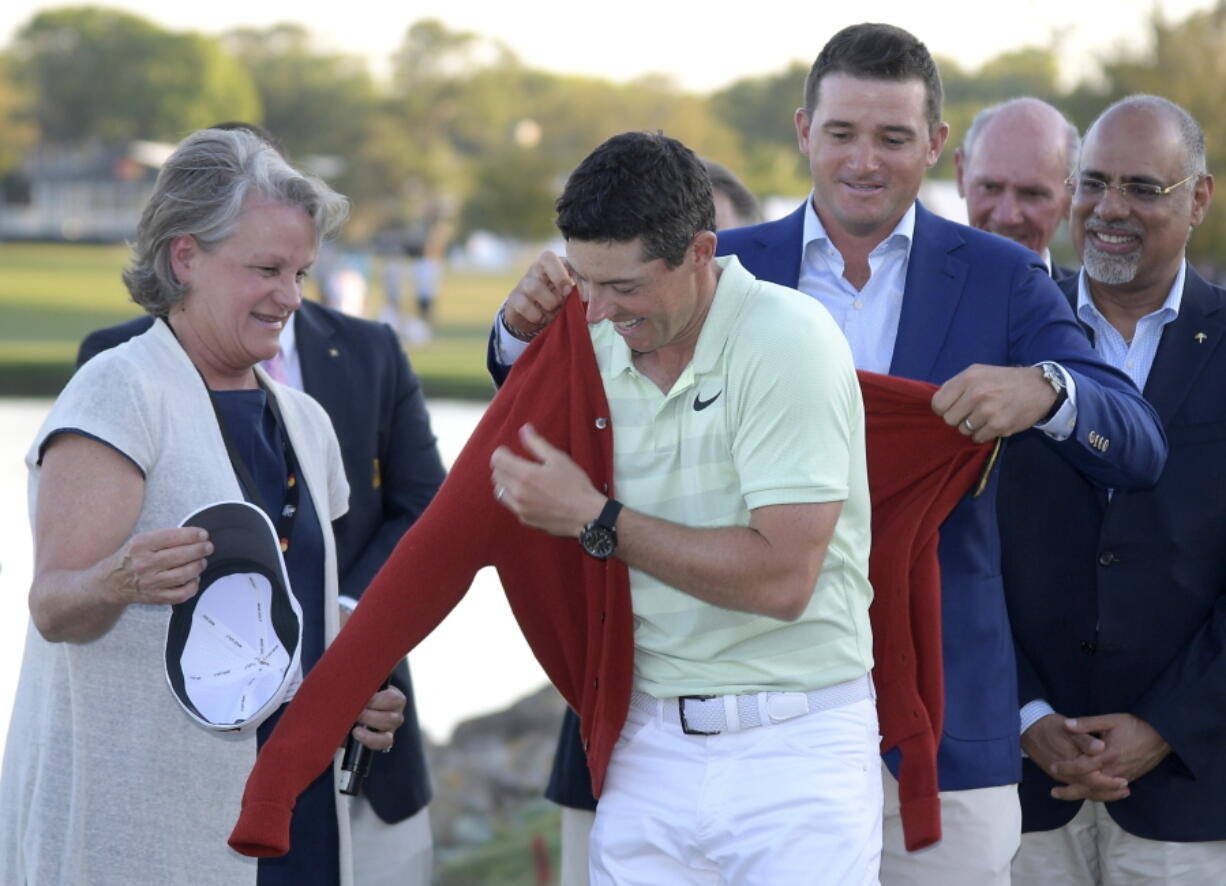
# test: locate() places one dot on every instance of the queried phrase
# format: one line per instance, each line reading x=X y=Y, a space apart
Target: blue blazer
x=1119 y=605
x=973 y=297
x=358 y=372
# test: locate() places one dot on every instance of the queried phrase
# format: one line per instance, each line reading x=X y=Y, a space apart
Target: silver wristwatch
x=1055 y=377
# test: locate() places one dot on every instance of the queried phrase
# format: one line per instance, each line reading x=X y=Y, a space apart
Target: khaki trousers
x=1092 y=850
x=980 y=831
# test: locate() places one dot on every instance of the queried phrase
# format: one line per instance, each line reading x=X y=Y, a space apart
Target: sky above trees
x=700 y=52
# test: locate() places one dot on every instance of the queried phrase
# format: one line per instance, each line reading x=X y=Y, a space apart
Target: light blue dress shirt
x=869 y=316
x=1134 y=358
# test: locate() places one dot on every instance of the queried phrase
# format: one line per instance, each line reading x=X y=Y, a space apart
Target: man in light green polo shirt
x=750 y=751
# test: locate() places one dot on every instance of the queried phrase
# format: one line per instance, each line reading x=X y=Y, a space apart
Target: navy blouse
x=314 y=859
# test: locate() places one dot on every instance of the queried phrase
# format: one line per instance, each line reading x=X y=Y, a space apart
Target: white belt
x=713 y=714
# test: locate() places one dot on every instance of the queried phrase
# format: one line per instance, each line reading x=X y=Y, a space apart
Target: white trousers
x=798 y=802
x=1092 y=850
x=980 y=830
x=400 y=854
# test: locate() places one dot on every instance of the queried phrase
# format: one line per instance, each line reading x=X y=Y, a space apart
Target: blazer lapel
x=933 y=288
x=1186 y=345
x=778 y=250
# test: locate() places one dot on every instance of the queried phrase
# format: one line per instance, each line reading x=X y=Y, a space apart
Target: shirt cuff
x=347 y=603
x=507 y=347
x=1033 y=712
x=1061 y=425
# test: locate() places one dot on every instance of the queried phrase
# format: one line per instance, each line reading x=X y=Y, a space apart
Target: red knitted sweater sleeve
x=919 y=468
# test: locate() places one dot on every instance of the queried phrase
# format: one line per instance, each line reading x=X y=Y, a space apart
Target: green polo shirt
x=768 y=412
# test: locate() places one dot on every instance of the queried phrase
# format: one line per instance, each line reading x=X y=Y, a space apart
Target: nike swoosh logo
x=701 y=404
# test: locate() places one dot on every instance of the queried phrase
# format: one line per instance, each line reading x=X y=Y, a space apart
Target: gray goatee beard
x=1113 y=270
x=1107 y=268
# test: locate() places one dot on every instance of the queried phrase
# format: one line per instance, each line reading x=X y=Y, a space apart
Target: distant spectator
x=735 y=204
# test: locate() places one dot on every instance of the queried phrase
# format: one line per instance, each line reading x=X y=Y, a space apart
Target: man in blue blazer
x=358 y=372
x=924 y=298
x=1118 y=600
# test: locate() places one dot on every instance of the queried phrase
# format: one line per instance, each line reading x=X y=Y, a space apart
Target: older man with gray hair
x=1011 y=170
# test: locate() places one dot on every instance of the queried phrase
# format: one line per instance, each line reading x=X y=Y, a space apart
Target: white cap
x=233 y=651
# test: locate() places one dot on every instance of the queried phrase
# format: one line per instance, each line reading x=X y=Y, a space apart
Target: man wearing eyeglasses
x=1011 y=170
x=1118 y=598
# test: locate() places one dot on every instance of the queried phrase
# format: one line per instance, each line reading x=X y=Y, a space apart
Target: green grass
x=52 y=295
x=508 y=859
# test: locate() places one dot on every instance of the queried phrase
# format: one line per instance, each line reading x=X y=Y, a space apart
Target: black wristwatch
x=1054 y=376
x=599 y=538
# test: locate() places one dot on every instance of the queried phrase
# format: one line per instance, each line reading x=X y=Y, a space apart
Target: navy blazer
x=973 y=297
x=358 y=372
x=1119 y=605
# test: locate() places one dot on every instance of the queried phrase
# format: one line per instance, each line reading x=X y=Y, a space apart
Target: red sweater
x=918 y=470
x=574 y=610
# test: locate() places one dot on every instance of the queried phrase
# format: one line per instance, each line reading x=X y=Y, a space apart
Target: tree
x=1186 y=63
x=760 y=111
x=100 y=73
x=314 y=102
x=18 y=130
x=1030 y=71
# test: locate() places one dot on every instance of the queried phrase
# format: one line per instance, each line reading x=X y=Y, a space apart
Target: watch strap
x=609 y=514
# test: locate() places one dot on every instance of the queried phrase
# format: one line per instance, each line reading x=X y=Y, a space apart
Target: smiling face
x=1126 y=243
x=652 y=306
x=241 y=293
x=868 y=146
x=1013 y=180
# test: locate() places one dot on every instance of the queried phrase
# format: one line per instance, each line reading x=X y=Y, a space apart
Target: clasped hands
x=1096 y=757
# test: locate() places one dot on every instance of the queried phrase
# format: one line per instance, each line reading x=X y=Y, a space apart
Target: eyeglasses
x=1137 y=192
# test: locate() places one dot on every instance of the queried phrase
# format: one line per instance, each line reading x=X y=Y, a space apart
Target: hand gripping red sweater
x=574 y=610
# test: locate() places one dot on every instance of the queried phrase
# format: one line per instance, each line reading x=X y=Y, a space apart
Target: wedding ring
x=502 y=490
x=967 y=422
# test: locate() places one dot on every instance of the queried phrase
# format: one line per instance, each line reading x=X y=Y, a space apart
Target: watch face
x=599 y=541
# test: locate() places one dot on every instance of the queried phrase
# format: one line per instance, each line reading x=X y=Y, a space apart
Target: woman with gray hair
x=107 y=779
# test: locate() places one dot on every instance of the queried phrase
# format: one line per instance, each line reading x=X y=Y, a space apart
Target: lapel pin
x=333 y=352
x=1200 y=338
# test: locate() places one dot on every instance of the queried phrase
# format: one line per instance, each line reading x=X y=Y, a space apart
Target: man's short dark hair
x=639 y=185
x=878 y=52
